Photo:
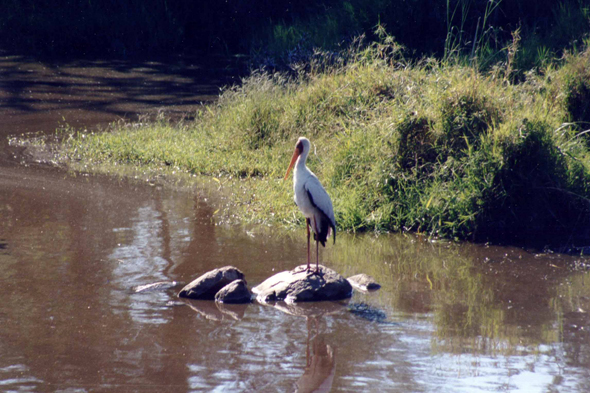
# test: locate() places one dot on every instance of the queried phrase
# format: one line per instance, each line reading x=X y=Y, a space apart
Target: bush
x=577 y=89
x=464 y=119
x=539 y=199
x=416 y=146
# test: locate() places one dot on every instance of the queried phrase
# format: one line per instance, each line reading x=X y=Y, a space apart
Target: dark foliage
x=416 y=146
x=153 y=27
x=540 y=204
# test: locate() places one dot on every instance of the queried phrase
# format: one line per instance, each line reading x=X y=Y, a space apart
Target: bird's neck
x=301 y=162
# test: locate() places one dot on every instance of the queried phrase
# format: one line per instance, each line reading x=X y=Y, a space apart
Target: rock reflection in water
x=216 y=311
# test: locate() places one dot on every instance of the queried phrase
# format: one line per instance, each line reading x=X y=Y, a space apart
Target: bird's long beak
x=296 y=154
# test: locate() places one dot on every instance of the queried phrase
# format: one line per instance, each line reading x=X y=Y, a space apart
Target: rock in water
x=235 y=292
x=206 y=286
x=298 y=285
x=156 y=286
x=364 y=282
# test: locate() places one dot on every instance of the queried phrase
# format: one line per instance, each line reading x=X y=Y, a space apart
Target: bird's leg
x=307 y=224
x=317 y=257
x=317 y=250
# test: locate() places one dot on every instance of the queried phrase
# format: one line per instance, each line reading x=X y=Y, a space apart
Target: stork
x=312 y=199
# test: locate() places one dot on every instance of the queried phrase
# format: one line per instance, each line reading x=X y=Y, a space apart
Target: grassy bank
x=431 y=147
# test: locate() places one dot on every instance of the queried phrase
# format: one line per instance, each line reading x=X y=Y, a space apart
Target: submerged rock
x=368 y=312
x=299 y=285
x=235 y=292
x=206 y=286
x=363 y=282
x=156 y=286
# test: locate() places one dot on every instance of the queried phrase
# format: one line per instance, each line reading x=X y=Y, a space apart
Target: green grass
x=431 y=147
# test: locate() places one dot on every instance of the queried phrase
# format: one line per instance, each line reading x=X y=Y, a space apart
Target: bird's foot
x=316 y=272
x=311 y=272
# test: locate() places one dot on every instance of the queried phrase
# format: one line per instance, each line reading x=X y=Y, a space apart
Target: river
x=450 y=317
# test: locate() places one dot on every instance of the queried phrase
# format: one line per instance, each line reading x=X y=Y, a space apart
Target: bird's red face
x=296 y=154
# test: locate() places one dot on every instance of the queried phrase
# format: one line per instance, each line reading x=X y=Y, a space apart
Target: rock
x=175 y=303
x=298 y=285
x=363 y=282
x=235 y=292
x=156 y=286
x=206 y=286
x=368 y=312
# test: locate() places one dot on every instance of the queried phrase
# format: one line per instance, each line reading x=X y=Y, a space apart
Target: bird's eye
x=299 y=147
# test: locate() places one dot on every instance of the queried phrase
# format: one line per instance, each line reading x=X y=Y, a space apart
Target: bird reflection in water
x=320 y=357
x=320 y=365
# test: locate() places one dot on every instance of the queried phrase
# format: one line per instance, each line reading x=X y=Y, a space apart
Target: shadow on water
x=42 y=96
x=113 y=87
x=455 y=317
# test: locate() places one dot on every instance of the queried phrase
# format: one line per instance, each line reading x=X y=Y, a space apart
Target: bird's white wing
x=320 y=198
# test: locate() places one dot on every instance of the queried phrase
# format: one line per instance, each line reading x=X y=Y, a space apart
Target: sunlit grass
x=430 y=147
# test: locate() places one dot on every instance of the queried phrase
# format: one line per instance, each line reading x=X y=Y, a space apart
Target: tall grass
x=437 y=148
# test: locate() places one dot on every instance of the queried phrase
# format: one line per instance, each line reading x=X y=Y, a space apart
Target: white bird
x=312 y=199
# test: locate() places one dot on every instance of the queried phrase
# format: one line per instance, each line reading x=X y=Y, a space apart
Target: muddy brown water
x=449 y=317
